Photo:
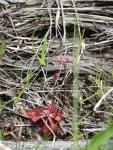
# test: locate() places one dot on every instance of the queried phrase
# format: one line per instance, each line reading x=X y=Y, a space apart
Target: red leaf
x=59 y=116
x=36 y=114
x=52 y=110
x=53 y=125
x=43 y=129
x=57 y=113
x=51 y=114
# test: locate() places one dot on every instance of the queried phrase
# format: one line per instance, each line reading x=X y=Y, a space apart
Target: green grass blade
x=101 y=138
x=1 y=135
x=2 y=49
x=20 y=93
x=37 y=56
x=44 y=45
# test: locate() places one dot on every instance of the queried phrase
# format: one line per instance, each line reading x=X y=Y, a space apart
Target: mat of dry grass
x=24 y=25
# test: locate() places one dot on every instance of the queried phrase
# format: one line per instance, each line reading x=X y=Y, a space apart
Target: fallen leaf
x=23 y=112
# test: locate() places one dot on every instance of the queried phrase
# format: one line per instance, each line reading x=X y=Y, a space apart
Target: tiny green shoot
x=41 y=60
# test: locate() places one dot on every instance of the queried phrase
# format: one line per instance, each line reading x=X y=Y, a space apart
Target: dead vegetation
x=24 y=25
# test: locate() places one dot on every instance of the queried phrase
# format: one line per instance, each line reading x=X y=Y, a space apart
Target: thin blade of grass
x=101 y=138
x=2 y=49
x=20 y=93
x=44 y=45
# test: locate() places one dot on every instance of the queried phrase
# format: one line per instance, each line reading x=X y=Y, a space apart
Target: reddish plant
x=64 y=59
x=50 y=114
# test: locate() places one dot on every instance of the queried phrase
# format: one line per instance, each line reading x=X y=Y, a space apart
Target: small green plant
x=41 y=59
x=24 y=86
x=2 y=48
x=100 y=81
